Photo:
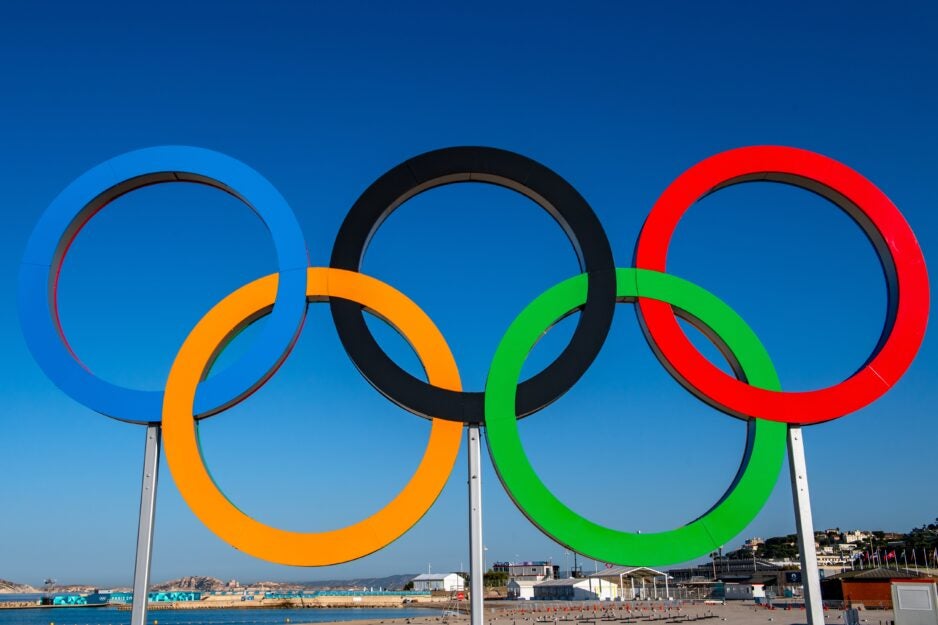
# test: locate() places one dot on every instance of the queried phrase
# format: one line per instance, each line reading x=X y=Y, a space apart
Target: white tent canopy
x=637 y=578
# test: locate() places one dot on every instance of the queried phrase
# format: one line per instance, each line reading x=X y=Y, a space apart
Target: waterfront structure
x=537 y=571
x=870 y=587
x=731 y=569
x=174 y=596
x=620 y=583
x=751 y=592
x=94 y=599
x=635 y=582
x=428 y=582
x=521 y=589
x=575 y=589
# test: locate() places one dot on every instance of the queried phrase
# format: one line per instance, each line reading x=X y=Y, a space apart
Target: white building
x=635 y=582
x=576 y=589
x=744 y=591
x=521 y=589
x=753 y=543
x=536 y=571
x=856 y=536
x=427 y=582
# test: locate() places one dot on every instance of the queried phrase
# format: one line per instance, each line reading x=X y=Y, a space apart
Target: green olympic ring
x=758 y=472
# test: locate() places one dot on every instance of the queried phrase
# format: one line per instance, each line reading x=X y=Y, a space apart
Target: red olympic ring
x=899 y=253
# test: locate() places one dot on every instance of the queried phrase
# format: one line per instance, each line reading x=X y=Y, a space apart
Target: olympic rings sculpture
x=753 y=394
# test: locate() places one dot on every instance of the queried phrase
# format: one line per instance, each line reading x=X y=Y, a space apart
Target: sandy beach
x=731 y=614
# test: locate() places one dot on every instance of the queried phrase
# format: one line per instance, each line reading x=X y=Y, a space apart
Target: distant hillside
x=391 y=582
x=72 y=588
x=192 y=582
x=924 y=539
x=203 y=583
x=13 y=587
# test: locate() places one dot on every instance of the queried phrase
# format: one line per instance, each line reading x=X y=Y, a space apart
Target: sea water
x=246 y=616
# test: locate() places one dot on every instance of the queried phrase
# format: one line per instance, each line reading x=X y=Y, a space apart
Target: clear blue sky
x=619 y=98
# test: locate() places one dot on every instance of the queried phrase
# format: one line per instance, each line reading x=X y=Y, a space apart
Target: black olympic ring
x=505 y=169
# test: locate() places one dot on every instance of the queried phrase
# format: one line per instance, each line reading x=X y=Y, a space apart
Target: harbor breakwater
x=322 y=601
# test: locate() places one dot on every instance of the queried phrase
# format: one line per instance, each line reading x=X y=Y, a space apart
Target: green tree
x=491 y=579
x=779 y=548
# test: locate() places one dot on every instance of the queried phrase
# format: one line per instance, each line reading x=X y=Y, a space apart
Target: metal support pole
x=810 y=577
x=151 y=467
x=475 y=525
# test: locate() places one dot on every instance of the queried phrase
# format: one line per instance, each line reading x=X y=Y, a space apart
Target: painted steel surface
x=505 y=169
x=765 y=441
x=81 y=201
x=899 y=254
x=753 y=395
x=194 y=481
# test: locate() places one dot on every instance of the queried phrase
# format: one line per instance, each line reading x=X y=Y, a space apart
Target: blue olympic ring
x=79 y=202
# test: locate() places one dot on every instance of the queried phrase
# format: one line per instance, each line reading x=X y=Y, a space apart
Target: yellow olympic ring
x=180 y=429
